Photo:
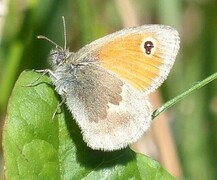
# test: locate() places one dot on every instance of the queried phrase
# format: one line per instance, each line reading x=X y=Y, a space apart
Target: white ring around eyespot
x=152 y=50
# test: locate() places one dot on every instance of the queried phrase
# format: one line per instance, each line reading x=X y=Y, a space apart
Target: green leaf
x=37 y=147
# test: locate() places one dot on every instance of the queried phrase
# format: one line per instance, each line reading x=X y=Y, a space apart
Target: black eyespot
x=148 y=45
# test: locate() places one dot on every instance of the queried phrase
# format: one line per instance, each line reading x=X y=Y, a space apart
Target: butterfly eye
x=148 y=46
x=57 y=56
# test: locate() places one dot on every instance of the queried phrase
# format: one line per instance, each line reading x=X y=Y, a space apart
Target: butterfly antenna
x=64 y=29
x=52 y=42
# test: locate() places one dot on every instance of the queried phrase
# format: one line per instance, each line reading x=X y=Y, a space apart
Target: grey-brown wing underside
x=110 y=113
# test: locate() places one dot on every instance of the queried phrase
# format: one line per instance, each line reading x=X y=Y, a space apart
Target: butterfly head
x=59 y=56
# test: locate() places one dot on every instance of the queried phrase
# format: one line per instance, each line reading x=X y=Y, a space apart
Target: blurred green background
x=194 y=120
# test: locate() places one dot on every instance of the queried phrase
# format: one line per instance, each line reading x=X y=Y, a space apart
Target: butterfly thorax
x=66 y=68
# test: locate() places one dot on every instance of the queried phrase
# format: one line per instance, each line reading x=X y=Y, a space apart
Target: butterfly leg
x=43 y=72
x=58 y=107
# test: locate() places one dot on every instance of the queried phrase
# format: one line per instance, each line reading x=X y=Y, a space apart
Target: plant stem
x=183 y=95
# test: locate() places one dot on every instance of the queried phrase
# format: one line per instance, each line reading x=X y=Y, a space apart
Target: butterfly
x=106 y=84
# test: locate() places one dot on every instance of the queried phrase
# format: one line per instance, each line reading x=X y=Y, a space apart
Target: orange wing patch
x=124 y=56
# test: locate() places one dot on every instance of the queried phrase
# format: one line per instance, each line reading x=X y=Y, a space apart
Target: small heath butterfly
x=106 y=84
